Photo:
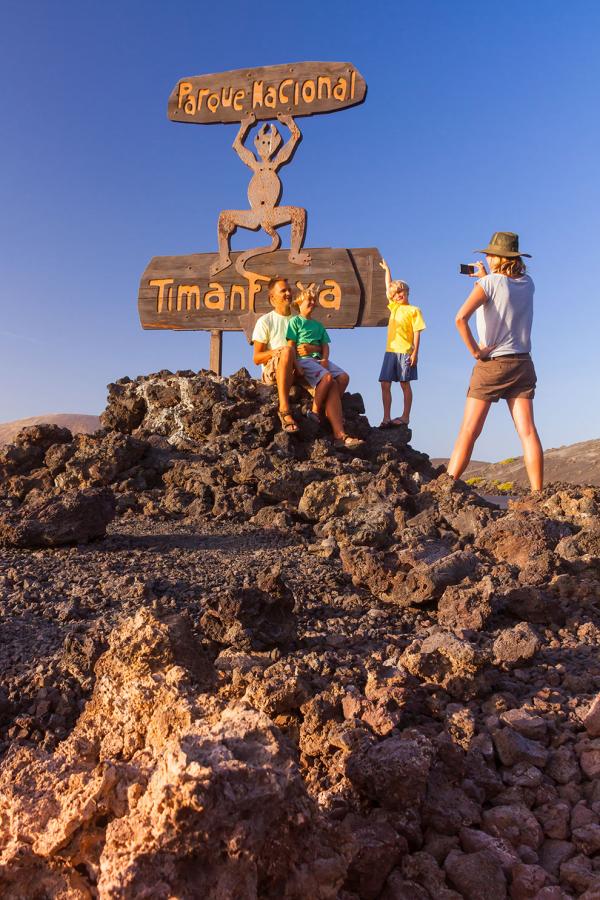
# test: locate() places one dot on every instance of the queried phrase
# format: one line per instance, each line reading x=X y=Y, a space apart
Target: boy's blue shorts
x=397 y=367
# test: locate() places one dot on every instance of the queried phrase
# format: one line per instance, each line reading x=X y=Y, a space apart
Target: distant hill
x=573 y=463
x=75 y=422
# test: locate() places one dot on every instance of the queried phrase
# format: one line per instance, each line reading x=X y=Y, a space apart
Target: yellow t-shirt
x=404 y=321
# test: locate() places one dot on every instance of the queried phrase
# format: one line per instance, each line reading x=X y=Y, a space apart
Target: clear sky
x=475 y=121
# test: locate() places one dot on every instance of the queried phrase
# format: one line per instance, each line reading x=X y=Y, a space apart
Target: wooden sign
x=178 y=292
x=296 y=89
x=225 y=291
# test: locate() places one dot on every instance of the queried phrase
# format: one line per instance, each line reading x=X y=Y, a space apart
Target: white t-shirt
x=271 y=330
x=505 y=318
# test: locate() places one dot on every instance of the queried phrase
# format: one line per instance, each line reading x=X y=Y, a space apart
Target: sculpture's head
x=267 y=141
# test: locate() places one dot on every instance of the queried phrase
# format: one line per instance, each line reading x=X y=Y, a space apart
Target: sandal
x=288 y=423
x=386 y=423
x=347 y=443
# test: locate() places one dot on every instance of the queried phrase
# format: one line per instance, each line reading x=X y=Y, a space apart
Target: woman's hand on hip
x=484 y=352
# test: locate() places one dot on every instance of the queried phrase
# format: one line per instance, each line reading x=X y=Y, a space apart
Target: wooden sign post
x=218 y=291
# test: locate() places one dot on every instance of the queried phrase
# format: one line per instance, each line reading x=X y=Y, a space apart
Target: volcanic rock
x=329 y=674
x=71 y=517
x=157 y=786
x=445 y=660
x=478 y=876
x=257 y=618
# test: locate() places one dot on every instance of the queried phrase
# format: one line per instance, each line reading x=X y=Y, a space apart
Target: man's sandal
x=288 y=423
x=347 y=443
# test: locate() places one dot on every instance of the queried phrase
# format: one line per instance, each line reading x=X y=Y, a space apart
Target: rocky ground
x=239 y=664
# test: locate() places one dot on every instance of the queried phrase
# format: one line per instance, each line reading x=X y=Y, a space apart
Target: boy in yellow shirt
x=402 y=349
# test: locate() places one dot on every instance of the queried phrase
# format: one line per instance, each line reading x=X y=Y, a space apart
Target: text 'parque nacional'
x=299 y=89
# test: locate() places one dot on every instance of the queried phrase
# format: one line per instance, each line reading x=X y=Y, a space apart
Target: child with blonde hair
x=402 y=348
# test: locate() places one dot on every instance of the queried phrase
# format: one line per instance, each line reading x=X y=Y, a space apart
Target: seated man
x=272 y=352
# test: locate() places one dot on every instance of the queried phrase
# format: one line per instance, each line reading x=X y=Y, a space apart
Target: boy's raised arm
x=388 y=276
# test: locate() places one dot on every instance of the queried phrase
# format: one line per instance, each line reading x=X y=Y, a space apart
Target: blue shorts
x=397 y=367
x=314 y=371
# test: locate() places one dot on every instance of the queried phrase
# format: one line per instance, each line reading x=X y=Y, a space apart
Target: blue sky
x=474 y=122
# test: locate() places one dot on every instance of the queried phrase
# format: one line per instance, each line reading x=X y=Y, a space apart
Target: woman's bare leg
x=521 y=411
x=473 y=420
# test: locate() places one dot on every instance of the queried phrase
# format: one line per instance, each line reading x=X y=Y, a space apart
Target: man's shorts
x=503 y=378
x=314 y=371
x=269 y=372
x=269 y=375
x=397 y=367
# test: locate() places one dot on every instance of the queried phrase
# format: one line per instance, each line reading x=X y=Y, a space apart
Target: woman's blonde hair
x=397 y=286
x=513 y=266
x=311 y=291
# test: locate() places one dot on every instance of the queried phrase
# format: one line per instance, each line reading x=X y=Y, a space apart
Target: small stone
x=530 y=726
x=590 y=763
x=563 y=766
x=515 y=823
x=477 y=876
x=577 y=873
x=582 y=815
x=513 y=748
x=472 y=841
x=553 y=854
x=517 y=645
x=587 y=838
x=554 y=819
x=527 y=881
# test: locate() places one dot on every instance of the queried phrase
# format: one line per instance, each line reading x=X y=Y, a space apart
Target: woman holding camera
x=503 y=304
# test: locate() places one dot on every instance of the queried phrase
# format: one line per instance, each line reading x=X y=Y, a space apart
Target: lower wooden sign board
x=178 y=292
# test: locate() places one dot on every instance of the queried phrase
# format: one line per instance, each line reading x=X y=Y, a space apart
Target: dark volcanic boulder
x=73 y=517
x=526 y=540
x=28 y=448
x=258 y=618
x=393 y=772
x=125 y=410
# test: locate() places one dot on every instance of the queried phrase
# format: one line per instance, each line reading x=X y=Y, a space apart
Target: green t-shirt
x=307 y=331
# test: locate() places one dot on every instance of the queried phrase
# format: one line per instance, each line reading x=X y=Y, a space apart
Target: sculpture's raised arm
x=288 y=149
x=246 y=156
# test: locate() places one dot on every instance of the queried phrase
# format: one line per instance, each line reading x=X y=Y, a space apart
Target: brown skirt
x=503 y=378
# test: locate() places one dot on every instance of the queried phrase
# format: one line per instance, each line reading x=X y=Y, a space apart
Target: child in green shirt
x=311 y=342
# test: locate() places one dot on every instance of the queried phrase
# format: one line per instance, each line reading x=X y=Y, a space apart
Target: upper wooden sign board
x=297 y=89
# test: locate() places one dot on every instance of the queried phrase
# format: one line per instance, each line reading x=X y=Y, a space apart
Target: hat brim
x=507 y=254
